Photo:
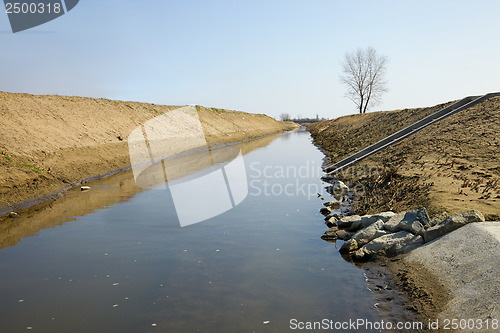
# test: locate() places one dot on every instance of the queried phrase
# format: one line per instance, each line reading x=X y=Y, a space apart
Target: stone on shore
x=331 y=221
x=337 y=188
x=85 y=188
x=331 y=233
x=334 y=204
x=393 y=222
x=347 y=221
x=371 y=232
x=349 y=246
x=451 y=223
x=414 y=221
x=13 y=215
x=325 y=211
x=368 y=220
x=436 y=219
x=390 y=245
x=344 y=235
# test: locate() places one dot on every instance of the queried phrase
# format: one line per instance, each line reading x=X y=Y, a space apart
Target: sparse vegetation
x=32 y=167
x=129 y=106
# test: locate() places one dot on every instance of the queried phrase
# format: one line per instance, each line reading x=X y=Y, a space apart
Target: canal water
x=115 y=258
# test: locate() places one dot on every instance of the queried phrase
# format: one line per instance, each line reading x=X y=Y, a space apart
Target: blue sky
x=258 y=56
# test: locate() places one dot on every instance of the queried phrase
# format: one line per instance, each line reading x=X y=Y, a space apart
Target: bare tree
x=285 y=116
x=363 y=73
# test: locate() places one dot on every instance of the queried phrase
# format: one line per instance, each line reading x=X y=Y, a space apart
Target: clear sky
x=268 y=57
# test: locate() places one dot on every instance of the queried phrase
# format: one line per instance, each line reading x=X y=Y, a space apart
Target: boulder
x=414 y=221
x=344 y=235
x=392 y=244
x=451 y=223
x=330 y=233
x=331 y=221
x=349 y=246
x=367 y=220
x=347 y=221
x=392 y=223
x=369 y=233
x=325 y=211
x=334 y=204
x=437 y=219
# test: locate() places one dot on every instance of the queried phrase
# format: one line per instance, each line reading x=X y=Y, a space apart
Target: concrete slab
x=467 y=262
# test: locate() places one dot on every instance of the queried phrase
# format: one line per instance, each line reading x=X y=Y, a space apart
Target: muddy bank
x=49 y=144
x=449 y=166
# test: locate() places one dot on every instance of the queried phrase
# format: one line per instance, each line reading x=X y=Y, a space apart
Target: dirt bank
x=452 y=165
x=50 y=143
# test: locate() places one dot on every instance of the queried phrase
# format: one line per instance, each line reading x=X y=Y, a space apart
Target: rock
x=13 y=215
x=325 y=211
x=437 y=219
x=392 y=244
x=344 y=235
x=334 y=204
x=85 y=188
x=347 y=221
x=367 y=220
x=330 y=233
x=369 y=233
x=331 y=221
x=328 y=178
x=337 y=188
x=414 y=221
x=349 y=246
x=451 y=223
x=392 y=223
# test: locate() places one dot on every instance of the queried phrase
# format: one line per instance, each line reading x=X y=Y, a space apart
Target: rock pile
x=391 y=234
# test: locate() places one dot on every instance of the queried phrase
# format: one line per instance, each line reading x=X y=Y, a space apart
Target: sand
x=451 y=166
x=49 y=144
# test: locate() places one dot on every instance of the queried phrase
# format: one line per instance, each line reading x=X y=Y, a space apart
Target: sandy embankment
x=451 y=166
x=50 y=143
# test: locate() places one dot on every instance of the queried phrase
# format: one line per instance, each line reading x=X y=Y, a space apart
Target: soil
x=450 y=166
x=49 y=144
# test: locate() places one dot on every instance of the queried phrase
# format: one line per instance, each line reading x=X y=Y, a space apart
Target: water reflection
x=105 y=193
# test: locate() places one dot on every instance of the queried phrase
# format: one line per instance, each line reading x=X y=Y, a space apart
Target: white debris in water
x=21 y=300
x=105 y=254
x=266 y=322
x=115 y=305
x=277 y=249
x=153 y=324
x=115 y=284
x=107 y=276
x=185 y=250
x=126 y=298
x=29 y=328
x=217 y=250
